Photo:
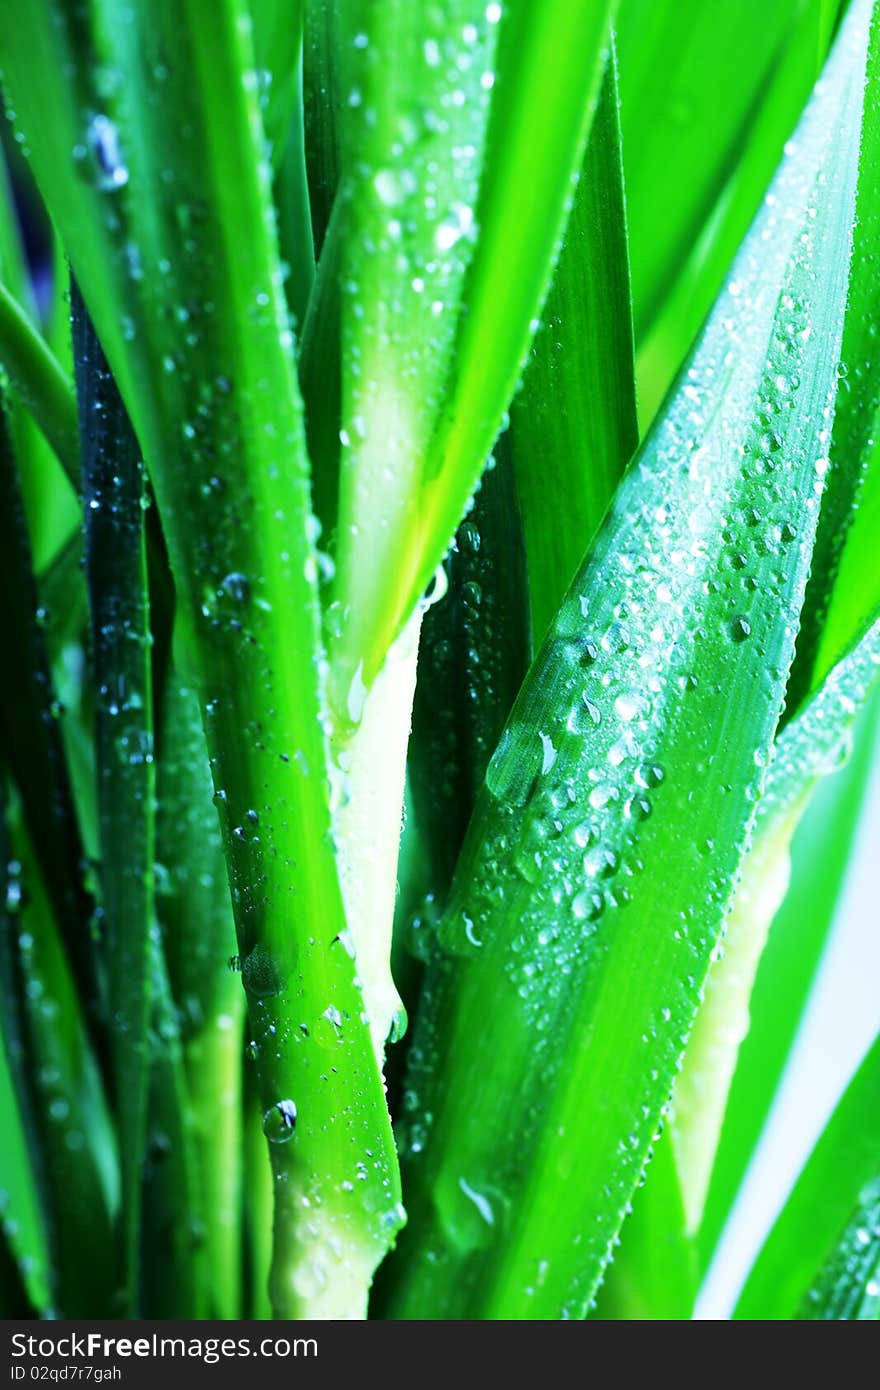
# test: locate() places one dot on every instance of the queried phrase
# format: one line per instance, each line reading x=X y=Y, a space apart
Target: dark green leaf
x=573 y=421
x=116 y=571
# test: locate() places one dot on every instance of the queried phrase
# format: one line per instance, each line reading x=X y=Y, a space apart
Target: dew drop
x=104 y=140
x=549 y=753
x=279 y=1122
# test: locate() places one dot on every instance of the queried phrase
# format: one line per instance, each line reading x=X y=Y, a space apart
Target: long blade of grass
x=696 y=78
x=847 y=1288
x=805 y=750
x=822 y=1254
x=322 y=102
x=473 y=655
x=843 y=596
x=295 y=238
x=195 y=914
x=603 y=852
x=493 y=117
x=719 y=91
x=116 y=571
x=820 y=854
x=165 y=211
x=573 y=421
x=278 y=34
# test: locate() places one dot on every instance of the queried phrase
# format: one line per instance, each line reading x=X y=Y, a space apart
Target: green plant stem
x=222 y=432
x=372 y=765
x=198 y=932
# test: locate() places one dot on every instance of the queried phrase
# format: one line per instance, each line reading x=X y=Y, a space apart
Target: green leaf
x=295 y=240
x=806 y=749
x=257 y=1210
x=176 y=1253
x=278 y=34
x=843 y=596
x=813 y=748
x=573 y=421
x=425 y=384
x=653 y=1275
x=605 y=847
x=694 y=80
x=847 y=1288
x=322 y=101
x=195 y=914
x=415 y=110
x=165 y=211
x=821 y=1256
x=473 y=654
x=723 y=1093
x=710 y=94
x=116 y=571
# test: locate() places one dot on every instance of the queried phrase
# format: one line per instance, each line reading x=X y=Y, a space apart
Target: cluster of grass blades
x=439 y=468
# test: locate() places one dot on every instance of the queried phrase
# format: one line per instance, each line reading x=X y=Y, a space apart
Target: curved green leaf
x=821 y=1256
x=116 y=571
x=696 y=78
x=195 y=915
x=490 y=120
x=806 y=749
x=710 y=94
x=843 y=595
x=820 y=854
x=605 y=847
